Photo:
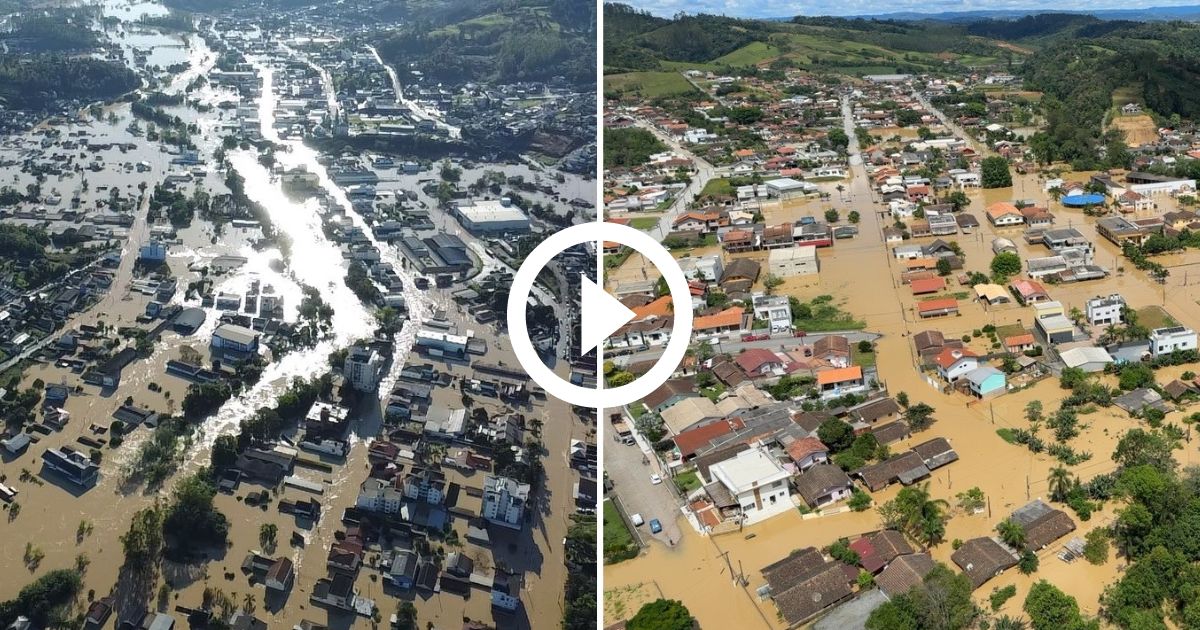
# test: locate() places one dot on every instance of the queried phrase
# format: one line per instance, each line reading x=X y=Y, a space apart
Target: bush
x=1028 y=563
x=1096 y=547
x=1001 y=595
x=859 y=500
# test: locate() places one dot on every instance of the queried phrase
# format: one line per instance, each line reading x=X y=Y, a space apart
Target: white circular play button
x=601 y=313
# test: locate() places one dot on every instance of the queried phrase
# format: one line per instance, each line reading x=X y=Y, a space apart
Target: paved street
x=631 y=482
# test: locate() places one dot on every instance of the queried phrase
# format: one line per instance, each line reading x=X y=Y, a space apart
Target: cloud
x=773 y=8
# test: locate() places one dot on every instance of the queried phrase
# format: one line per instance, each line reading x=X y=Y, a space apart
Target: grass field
x=857 y=357
x=716 y=187
x=749 y=55
x=647 y=84
x=618 y=541
x=687 y=481
x=643 y=223
x=1155 y=317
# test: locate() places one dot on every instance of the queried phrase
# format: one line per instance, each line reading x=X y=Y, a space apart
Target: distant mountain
x=1150 y=14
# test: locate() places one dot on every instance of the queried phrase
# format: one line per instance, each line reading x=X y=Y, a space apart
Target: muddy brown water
x=862 y=275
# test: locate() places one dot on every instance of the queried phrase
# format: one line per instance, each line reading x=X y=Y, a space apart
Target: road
x=418 y=111
x=630 y=475
x=704 y=172
x=979 y=147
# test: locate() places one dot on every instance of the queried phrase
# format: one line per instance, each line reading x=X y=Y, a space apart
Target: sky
x=785 y=8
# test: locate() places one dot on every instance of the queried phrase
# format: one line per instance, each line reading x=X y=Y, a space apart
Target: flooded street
x=865 y=280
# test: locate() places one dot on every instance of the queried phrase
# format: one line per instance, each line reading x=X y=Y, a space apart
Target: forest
x=41 y=83
x=495 y=41
x=629 y=147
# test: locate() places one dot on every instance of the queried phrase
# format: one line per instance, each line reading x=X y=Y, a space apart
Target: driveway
x=631 y=482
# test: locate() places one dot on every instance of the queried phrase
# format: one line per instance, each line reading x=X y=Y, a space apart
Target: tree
x=854 y=217
x=268 y=534
x=1033 y=411
x=832 y=216
x=835 y=434
x=1028 y=563
x=406 y=616
x=772 y=282
x=943 y=266
x=1060 y=483
x=1135 y=375
x=942 y=601
x=1012 y=533
x=1005 y=265
x=224 y=452
x=995 y=173
x=1096 y=547
x=1140 y=447
x=662 y=614
x=958 y=199
x=1051 y=609
x=919 y=416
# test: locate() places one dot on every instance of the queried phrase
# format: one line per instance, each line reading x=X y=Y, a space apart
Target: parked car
x=800 y=333
x=637 y=520
x=755 y=336
x=655 y=480
x=655 y=526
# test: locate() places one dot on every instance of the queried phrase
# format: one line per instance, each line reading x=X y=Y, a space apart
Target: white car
x=655 y=479
x=637 y=520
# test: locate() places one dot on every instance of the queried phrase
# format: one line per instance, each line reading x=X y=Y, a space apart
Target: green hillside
x=636 y=41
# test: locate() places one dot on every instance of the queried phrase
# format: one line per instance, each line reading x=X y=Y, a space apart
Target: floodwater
x=862 y=275
x=51 y=513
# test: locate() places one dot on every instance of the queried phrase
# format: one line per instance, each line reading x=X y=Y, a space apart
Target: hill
x=636 y=41
x=497 y=40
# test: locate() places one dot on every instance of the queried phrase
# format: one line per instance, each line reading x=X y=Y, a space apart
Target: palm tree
x=1056 y=193
x=1011 y=533
x=248 y=604
x=1009 y=623
x=1060 y=483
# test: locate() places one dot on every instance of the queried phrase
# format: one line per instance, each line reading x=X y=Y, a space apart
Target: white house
x=1102 y=310
x=953 y=363
x=776 y=309
x=1164 y=341
x=756 y=481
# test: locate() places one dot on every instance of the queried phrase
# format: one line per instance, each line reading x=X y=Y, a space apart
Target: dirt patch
x=1138 y=129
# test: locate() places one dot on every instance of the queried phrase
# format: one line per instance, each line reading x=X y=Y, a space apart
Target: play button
x=603 y=315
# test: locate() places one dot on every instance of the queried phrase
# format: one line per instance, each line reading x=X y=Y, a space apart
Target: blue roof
x=1083 y=200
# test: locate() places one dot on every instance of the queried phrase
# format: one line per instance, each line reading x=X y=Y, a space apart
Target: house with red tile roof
x=841 y=381
x=952 y=363
x=758 y=362
x=927 y=285
x=937 y=308
x=807 y=452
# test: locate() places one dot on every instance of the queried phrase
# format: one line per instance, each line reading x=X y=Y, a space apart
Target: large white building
x=504 y=501
x=756 y=481
x=362 y=368
x=491 y=216
x=236 y=338
x=787 y=262
x=1164 y=341
x=376 y=496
